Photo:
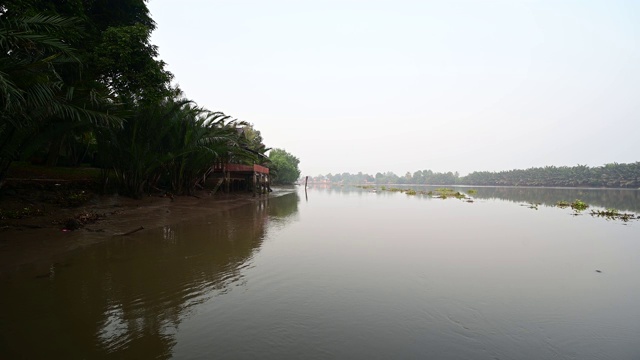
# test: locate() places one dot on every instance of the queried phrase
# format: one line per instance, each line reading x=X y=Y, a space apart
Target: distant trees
x=284 y=167
x=346 y=178
x=609 y=175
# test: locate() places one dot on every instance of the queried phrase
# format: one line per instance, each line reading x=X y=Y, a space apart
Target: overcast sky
x=375 y=86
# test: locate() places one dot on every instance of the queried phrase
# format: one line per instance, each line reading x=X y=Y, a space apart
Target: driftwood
x=132 y=231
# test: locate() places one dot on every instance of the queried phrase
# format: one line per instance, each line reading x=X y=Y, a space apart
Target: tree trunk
x=54 y=151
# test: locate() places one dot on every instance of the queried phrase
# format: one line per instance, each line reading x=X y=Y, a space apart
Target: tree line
x=80 y=82
x=612 y=175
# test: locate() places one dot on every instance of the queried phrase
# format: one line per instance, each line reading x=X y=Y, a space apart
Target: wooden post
x=306 y=178
x=255 y=183
x=217 y=186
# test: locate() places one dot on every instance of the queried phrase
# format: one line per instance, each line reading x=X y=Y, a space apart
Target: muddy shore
x=43 y=237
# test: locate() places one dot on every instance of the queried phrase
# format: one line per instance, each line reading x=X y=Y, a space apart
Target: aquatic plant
x=410 y=192
x=579 y=205
x=443 y=193
x=563 y=204
x=472 y=191
x=614 y=214
x=459 y=195
x=530 y=205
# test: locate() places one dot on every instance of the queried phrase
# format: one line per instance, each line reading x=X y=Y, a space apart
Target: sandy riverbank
x=41 y=238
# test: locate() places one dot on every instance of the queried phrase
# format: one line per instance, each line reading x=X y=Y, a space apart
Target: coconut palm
x=32 y=91
x=200 y=138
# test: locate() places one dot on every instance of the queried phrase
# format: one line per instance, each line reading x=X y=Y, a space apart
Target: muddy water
x=339 y=274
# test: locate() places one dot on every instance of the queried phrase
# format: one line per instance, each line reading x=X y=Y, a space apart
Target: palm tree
x=32 y=90
x=200 y=138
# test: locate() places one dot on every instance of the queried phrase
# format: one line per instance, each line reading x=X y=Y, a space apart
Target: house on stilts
x=239 y=177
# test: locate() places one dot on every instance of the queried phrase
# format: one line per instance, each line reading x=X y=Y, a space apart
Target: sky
x=377 y=85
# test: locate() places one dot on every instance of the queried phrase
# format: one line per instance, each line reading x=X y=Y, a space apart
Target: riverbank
x=45 y=231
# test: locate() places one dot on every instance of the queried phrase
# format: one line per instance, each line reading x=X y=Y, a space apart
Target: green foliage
x=68 y=66
x=614 y=214
x=609 y=175
x=33 y=91
x=284 y=167
x=126 y=62
x=200 y=138
x=441 y=193
x=171 y=142
x=579 y=205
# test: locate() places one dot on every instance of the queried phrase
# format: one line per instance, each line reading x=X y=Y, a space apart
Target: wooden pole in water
x=254 y=184
x=306 y=178
x=217 y=186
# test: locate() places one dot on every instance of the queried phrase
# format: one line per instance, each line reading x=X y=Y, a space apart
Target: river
x=345 y=273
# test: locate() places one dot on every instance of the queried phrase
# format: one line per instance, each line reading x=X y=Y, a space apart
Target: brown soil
x=39 y=221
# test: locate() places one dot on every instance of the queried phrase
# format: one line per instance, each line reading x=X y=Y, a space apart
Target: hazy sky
x=377 y=86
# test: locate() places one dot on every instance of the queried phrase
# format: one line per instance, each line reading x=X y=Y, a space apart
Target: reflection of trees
x=624 y=200
x=620 y=199
x=284 y=206
x=125 y=298
x=330 y=188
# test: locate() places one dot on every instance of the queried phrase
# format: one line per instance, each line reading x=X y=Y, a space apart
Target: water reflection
x=284 y=207
x=356 y=275
x=619 y=199
x=126 y=297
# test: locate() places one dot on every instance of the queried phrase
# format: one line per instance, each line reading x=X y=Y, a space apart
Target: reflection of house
x=234 y=177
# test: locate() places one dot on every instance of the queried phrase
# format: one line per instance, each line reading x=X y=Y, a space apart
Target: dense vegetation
x=80 y=82
x=284 y=167
x=610 y=175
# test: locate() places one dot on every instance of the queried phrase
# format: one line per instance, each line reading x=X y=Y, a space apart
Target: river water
x=344 y=273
